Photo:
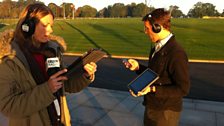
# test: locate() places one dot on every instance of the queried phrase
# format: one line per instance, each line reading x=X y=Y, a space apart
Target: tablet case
x=93 y=55
x=146 y=78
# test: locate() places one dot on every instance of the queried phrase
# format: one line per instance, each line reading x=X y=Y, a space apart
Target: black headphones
x=156 y=28
x=28 y=25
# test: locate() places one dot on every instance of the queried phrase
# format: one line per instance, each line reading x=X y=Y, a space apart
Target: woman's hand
x=55 y=81
x=90 y=69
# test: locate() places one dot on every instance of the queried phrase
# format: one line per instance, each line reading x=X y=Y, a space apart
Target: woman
x=27 y=93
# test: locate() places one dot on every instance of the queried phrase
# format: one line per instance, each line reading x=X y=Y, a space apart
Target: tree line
x=12 y=9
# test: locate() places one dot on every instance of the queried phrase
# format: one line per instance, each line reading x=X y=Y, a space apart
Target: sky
x=184 y=5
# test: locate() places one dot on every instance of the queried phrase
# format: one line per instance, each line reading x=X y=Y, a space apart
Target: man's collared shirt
x=161 y=43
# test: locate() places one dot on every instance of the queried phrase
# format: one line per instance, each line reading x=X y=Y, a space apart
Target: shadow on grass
x=114 y=33
x=199 y=28
x=59 y=25
x=2 y=25
x=88 y=38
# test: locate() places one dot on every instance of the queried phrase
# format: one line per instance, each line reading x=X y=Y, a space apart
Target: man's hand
x=131 y=64
x=149 y=89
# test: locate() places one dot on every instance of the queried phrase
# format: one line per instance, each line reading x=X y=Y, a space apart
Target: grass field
x=202 y=39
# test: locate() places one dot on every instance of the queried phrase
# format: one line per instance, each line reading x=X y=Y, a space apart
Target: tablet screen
x=146 y=78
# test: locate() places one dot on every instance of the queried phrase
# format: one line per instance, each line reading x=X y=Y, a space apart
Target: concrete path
x=103 y=107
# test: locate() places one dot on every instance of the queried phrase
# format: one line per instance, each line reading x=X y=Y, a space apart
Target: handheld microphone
x=53 y=65
x=54 y=58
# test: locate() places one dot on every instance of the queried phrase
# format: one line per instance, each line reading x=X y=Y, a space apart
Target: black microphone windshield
x=52 y=49
x=53 y=65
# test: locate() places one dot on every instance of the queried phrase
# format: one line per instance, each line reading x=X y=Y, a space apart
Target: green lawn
x=202 y=39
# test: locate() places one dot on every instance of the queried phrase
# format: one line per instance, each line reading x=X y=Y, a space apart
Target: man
x=163 y=99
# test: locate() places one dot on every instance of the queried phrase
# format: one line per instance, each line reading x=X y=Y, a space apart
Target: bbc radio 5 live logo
x=52 y=62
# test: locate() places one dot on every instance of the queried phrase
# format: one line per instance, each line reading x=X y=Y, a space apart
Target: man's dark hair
x=159 y=16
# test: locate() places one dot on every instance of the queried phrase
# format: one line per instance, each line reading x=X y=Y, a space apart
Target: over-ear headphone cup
x=28 y=27
x=156 y=28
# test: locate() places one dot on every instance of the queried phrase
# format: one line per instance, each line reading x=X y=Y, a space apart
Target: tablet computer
x=93 y=55
x=146 y=78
